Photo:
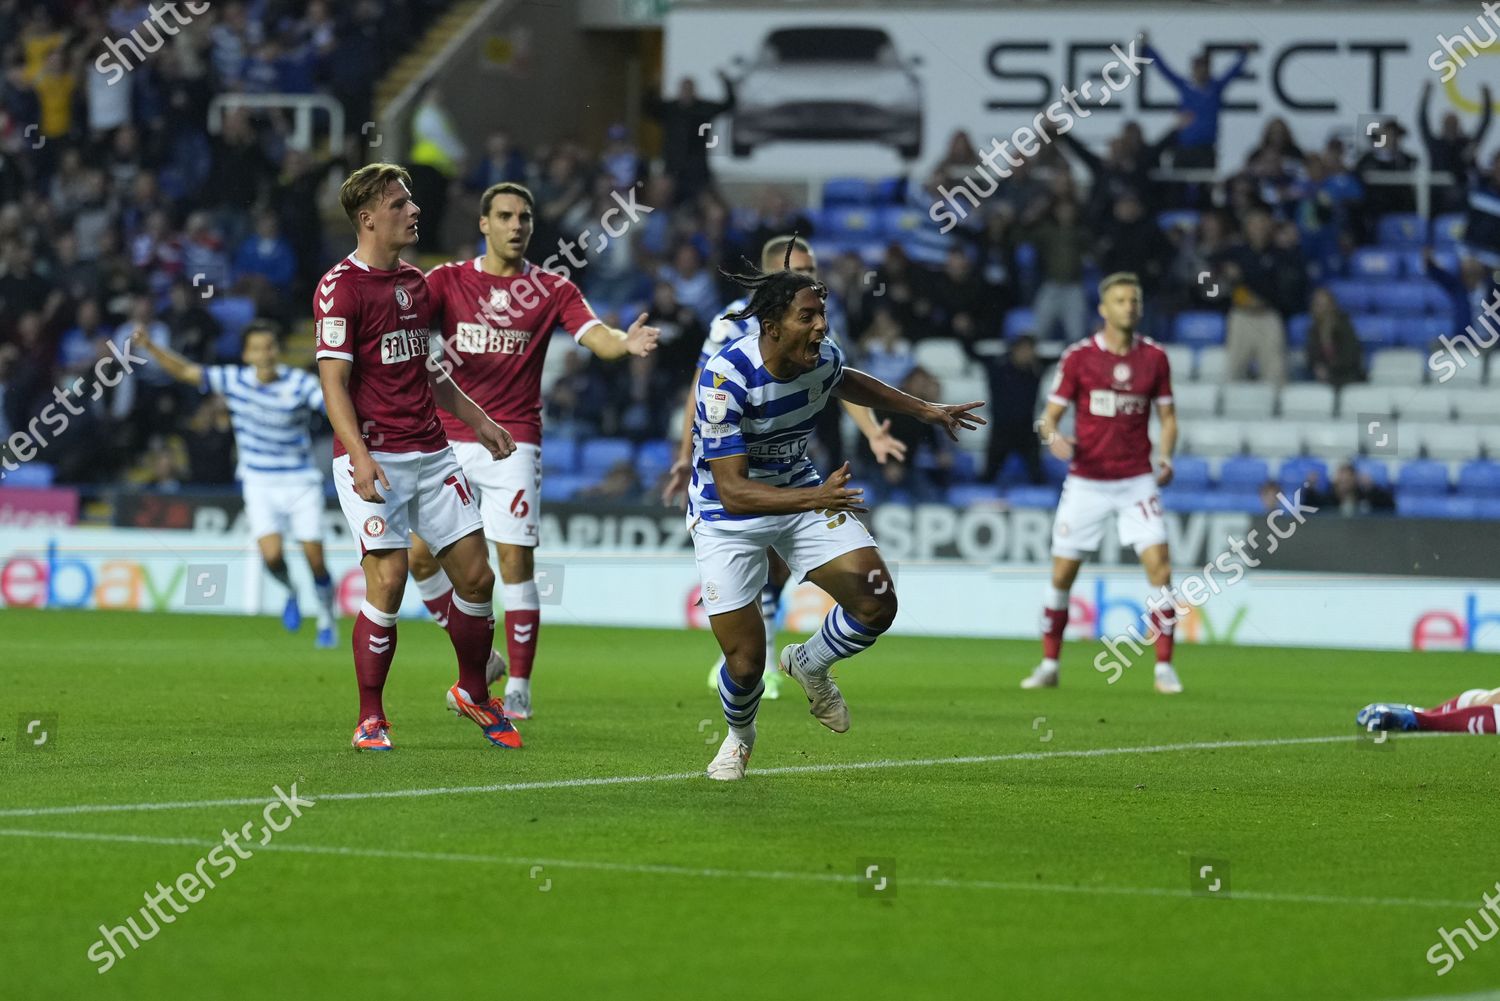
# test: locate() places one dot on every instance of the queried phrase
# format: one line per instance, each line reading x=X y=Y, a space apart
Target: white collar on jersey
x=1103 y=345
x=365 y=267
x=526 y=267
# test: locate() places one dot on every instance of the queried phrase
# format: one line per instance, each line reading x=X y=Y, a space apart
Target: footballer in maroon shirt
x=392 y=467
x=1113 y=378
x=497 y=315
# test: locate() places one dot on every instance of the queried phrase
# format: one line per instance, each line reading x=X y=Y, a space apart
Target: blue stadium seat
x=1434 y=327
x=1296 y=330
x=1376 y=262
x=888 y=191
x=1376 y=469
x=1436 y=300
x=1243 y=472
x=1055 y=468
x=1375 y=330
x=1178 y=218
x=29 y=474
x=1352 y=294
x=597 y=455
x=1020 y=321
x=1479 y=479
x=849 y=222
x=1229 y=501
x=1030 y=496
x=1422 y=476
x=1419 y=505
x=964 y=467
x=1187 y=500
x=1489 y=507
x=1189 y=473
x=970 y=494
x=846 y=191
x=1294 y=473
x=1198 y=328
x=896 y=222
x=559 y=455
x=657 y=452
x=563 y=486
x=1448 y=230
x=1406 y=298
x=1401 y=229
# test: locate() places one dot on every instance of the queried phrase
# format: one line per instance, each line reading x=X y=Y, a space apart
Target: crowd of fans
x=108 y=223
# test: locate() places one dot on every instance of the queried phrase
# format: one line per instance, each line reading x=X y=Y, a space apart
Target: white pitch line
x=645 y=869
x=611 y=780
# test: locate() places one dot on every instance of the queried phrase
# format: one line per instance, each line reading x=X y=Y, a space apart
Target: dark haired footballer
x=755 y=488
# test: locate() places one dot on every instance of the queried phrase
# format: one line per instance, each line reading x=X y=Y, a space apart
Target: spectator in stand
x=194 y=331
x=1015 y=379
x=1333 y=353
x=1468 y=291
x=437 y=158
x=997 y=258
x=684 y=142
x=924 y=474
x=884 y=352
x=576 y=402
x=774 y=216
x=620 y=483
x=1131 y=240
x=1277 y=147
x=962 y=306
x=502 y=161
x=1124 y=169
x=621 y=162
x=266 y=255
x=209 y=443
x=1201 y=99
x=695 y=285
x=1482 y=220
x=1449 y=150
x=55 y=85
x=1261 y=297
x=960 y=160
x=1062 y=242
x=1323 y=203
x=1383 y=157
x=1356 y=493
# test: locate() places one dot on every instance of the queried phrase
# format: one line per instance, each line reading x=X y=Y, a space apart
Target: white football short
x=1087 y=505
x=732 y=561
x=289 y=504
x=510 y=490
x=429 y=495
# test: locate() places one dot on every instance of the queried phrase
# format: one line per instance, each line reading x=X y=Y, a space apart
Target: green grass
x=159 y=708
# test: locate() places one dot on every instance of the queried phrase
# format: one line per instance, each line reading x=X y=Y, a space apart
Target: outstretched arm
x=178 y=367
x=1168 y=443
x=610 y=343
x=1234 y=71
x=865 y=390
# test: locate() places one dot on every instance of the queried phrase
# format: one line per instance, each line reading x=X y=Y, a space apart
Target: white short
x=285 y=504
x=732 y=559
x=1086 y=506
x=429 y=495
x=510 y=491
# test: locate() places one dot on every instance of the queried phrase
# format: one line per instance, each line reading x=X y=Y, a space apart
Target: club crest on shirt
x=499 y=300
x=403 y=297
x=1121 y=374
x=813 y=393
x=719 y=380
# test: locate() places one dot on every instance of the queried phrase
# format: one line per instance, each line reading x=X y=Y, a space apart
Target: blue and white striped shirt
x=270 y=418
x=744 y=410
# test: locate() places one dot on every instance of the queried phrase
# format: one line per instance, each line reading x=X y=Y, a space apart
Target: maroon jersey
x=381 y=322
x=1113 y=394
x=495 y=335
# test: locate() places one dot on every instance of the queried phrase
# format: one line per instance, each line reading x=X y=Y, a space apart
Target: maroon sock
x=472 y=629
x=374 y=649
x=1475 y=719
x=440 y=607
x=1164 y=621
x=1054 y=621
x=1450 y=705
x=522 y=630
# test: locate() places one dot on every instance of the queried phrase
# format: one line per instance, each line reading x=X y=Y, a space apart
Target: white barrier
x=167 y=571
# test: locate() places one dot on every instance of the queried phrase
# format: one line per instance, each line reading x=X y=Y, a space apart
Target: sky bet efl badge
x=715 y=405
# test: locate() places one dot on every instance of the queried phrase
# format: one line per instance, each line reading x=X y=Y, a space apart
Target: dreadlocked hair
x=771 y=292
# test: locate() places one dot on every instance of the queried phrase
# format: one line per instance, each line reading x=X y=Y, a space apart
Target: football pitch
x=965 y=839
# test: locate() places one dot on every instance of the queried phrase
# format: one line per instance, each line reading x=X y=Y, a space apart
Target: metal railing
x=303 y=107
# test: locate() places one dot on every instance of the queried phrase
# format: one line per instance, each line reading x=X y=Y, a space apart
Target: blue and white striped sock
x=840 y=636
x=740 y=705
